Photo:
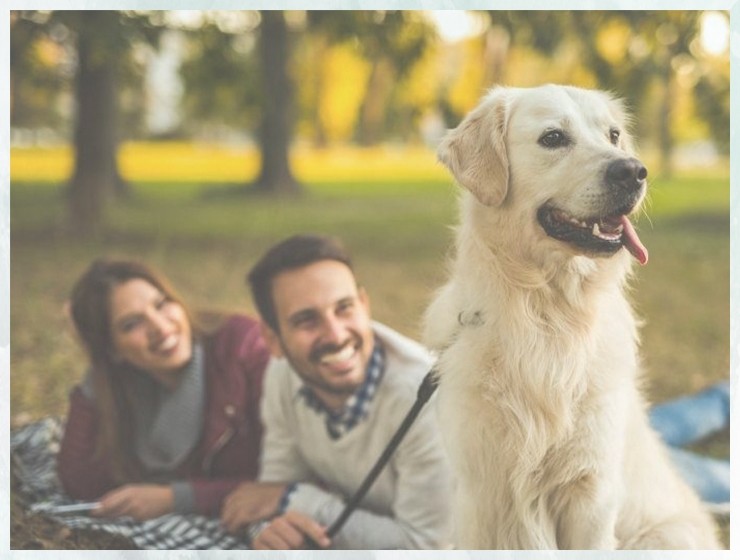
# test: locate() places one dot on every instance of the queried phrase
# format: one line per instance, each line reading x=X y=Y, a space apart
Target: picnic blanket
x=33 y=450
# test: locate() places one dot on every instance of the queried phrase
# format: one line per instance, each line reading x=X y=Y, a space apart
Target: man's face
x=325 y=330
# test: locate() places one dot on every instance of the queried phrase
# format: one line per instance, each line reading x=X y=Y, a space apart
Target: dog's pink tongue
x=632 y=242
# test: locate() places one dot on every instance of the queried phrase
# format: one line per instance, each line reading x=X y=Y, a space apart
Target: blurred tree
x=649 y=46
x=256 y=47
x=101 y=44
x=713 y=105
x=711 y=85
x=413 y=107
x=340 y=77
x=392 y=42
x=96 y=175
x=36 y=77
x=468 y=79
x=104 y=43
x=630 y=52
x=213 y=100
x=275 y=129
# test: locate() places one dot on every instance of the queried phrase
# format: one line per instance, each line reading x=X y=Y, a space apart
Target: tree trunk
x=665 y=134
x=96 y=177
x=666 y=138
x=320 y=50
x=374 y=106
x=275 y=175
x=495 y=55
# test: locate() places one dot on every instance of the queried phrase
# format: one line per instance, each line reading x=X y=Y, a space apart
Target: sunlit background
x=195 y=139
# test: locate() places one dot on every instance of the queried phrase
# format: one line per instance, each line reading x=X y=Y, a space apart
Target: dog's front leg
x=589 y=519
x=588 y=502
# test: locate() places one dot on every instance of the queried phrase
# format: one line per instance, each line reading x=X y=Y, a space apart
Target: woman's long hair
x=112 y=379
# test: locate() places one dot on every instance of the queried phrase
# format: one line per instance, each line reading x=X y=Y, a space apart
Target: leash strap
x=423 y=394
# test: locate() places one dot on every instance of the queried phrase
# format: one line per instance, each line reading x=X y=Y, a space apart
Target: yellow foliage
x=183 y=162
x=612 y=40
x=48 y=52
x=685 y=125
x=344 y=76
x=468 y=82
x=420 y=87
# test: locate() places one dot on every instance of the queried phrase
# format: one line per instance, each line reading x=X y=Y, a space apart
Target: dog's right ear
x=475 y=151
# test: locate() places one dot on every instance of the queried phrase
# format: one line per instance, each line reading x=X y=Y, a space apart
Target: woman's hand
x=140 y=501
x=250 y=502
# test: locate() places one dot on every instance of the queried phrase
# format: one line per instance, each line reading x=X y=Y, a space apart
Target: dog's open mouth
x=604 y=235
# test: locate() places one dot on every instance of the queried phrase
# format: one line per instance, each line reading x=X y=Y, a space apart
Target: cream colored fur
x=539 y=398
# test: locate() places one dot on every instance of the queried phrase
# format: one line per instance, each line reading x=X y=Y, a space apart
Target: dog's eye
x=614 y=136
x=554 y=139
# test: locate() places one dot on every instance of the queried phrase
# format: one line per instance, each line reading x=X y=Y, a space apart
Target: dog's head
x=557 y=157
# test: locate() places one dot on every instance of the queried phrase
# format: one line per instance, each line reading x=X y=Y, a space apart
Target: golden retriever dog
x=539 y=399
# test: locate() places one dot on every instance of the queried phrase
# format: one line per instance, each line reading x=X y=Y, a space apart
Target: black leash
x=423 y=394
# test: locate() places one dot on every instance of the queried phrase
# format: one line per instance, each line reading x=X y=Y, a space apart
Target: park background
x=194 y=140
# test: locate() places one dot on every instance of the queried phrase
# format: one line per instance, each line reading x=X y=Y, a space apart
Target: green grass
x=399 y=235
x=689 y=194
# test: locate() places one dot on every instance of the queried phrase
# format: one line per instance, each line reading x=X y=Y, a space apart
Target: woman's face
x=148 y=330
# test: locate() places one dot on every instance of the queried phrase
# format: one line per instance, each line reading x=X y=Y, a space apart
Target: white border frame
x=727 y=5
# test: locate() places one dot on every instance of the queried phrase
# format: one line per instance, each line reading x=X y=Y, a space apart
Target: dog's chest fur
x=529 y=376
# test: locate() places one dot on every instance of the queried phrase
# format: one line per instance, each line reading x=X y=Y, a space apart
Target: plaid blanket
x=33 y=450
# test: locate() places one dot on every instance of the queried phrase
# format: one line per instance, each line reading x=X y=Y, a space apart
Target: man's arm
x=421 y=508
x=290 y=531
x=363 y=530
x=281 y=461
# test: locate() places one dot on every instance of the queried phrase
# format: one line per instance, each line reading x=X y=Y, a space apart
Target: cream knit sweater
x=408 y=505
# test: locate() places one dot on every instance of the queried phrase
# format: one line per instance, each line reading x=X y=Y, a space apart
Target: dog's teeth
x=577 y=223
x=595 y=231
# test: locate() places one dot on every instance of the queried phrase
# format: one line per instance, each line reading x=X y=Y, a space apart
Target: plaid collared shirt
x=340 y=422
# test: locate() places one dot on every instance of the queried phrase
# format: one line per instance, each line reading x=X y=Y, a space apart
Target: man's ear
x=475 y=151
x=364 y=298
x=272 y=340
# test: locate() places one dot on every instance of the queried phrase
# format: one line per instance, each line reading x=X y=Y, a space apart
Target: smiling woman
x=150 y=331
x=166 y=419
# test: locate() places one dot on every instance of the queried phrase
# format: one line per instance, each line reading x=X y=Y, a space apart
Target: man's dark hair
x=294 y=252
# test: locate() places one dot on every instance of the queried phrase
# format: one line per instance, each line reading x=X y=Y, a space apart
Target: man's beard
x=314 y=358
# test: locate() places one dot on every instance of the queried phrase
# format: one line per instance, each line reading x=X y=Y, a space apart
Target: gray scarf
x=169 y=422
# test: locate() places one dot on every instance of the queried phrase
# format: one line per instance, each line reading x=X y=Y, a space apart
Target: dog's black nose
x=626 y=174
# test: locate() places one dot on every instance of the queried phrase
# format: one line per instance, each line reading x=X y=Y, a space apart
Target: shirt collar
x=342 y=421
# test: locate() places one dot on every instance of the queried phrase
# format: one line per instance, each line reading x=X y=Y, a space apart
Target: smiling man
x=337 y=389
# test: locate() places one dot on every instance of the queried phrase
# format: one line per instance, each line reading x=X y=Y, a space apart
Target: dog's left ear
x=475 y=151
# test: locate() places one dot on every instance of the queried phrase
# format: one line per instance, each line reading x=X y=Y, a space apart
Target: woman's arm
x=83 y=475
x=209 y=494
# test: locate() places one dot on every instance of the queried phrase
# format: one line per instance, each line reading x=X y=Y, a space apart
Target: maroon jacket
x=228 y=452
